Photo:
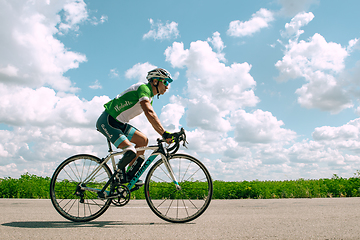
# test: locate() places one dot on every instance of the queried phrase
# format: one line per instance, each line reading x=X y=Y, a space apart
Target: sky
x=266 y=90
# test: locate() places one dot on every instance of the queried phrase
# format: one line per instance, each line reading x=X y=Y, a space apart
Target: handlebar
x=178 y=138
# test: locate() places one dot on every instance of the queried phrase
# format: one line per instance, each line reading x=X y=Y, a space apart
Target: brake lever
x=183 y=138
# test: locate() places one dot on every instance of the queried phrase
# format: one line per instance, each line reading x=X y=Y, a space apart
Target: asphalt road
x=331 y=218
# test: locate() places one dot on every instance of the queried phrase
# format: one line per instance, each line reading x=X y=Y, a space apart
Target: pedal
x=134 y=188
x=139 y=183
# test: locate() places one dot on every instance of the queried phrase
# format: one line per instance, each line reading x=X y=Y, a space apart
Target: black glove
x=167 y=135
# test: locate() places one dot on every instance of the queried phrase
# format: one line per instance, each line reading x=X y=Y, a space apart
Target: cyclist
x=113 y=122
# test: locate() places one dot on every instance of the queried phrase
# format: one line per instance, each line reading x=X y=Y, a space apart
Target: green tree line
x=32 y=186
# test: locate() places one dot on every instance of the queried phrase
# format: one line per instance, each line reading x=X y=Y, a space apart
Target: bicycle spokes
x=71 y=196
x=179 y=204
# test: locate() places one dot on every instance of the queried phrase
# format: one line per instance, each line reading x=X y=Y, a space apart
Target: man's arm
x=152 y=117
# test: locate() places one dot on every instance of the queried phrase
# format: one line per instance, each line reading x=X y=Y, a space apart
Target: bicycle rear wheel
x=182 y=205
x=65 y=192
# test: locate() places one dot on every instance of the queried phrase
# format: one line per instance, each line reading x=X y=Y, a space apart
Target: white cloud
x=292 y=7
x=353 y=44
x=95 y=21
x=325 y=93
x=349 y=131
x=259 y=20
x=75 y=12
x=318 y=62
x=103 y=18
x=300 y=20
x=159 y=31
x=350 y=79
x=9 y=71
x=335 y=149
x=308 y=152
x=305 y=57
x=139 y=71
x=218 y=44
x=207 y=76
x=260 y=127
x=203 y=113
x=21 y=106
x=39 y=150
x=10 y=170
x=31 y=56
x=172 y=112
x=47 y=127
x=234 y=150
x=114 y=73
x=96 y=85
x=176 y=55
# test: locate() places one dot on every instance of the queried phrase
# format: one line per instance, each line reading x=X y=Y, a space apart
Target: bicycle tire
x=65 y=194
x=179 y=206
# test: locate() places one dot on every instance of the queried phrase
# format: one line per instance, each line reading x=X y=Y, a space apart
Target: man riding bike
x=113 y=122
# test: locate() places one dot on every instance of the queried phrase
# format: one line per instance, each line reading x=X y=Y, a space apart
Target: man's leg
x=128 y=156
x=140 y=140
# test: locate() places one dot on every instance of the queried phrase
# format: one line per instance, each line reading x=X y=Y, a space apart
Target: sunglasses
x=165 y=82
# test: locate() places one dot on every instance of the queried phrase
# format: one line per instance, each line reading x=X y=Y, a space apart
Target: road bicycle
x=178 y=187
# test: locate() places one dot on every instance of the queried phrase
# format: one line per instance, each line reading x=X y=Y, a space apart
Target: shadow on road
x=65 y=224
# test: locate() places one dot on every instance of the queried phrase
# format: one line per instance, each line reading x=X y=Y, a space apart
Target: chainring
x=121 y=196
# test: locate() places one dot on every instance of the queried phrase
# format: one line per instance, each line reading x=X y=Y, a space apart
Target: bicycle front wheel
x=179 y=205
x=66 y=195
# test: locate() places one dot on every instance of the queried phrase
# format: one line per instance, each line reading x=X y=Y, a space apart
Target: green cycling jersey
x=126 y=105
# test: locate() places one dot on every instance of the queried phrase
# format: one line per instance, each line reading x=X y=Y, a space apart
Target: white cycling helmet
x=159 y=73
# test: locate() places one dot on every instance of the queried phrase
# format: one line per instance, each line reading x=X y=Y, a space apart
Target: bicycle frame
x=157 y=150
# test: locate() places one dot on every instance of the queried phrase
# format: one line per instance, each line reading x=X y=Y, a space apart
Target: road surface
x=330 y=218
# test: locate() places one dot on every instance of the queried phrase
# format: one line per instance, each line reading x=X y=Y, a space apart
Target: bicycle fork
x=171 y=172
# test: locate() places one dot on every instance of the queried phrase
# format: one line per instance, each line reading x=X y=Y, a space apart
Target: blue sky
x=266 y=90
